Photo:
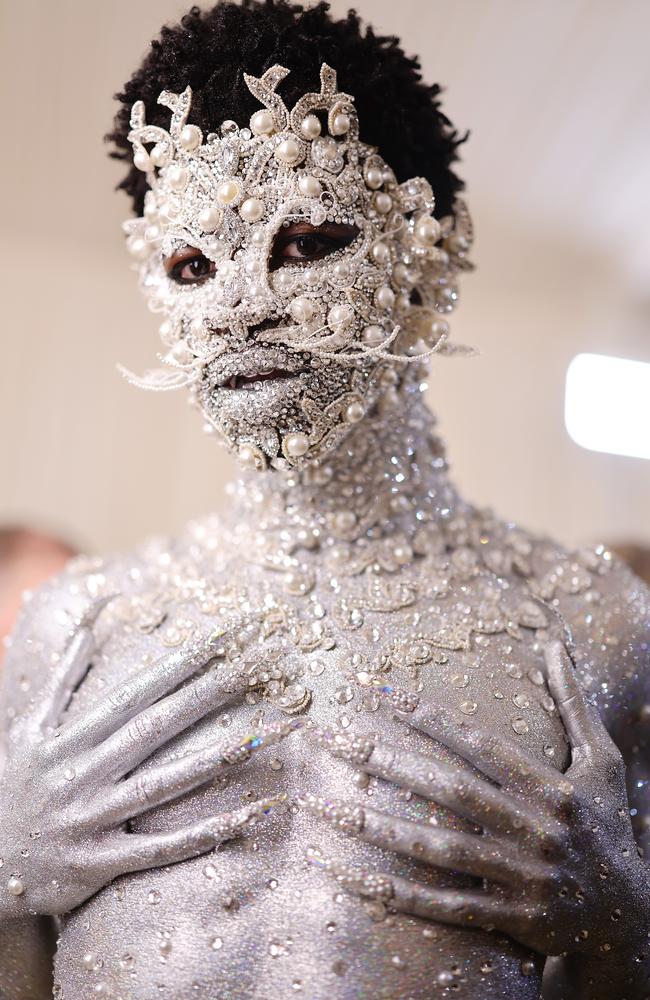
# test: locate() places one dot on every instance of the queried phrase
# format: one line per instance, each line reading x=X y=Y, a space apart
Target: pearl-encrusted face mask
x=298 y=279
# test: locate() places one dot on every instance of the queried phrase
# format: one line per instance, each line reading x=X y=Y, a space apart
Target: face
x=298 y=279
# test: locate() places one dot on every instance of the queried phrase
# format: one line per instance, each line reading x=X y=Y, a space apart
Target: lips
x=250 y=381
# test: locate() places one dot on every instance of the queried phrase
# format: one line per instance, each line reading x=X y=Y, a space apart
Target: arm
x=560 y=867
x=68 y=789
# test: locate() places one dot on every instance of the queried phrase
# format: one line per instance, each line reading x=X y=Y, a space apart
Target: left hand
x=561 y=870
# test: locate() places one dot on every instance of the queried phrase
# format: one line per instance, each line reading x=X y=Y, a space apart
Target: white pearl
x=288 y=151
x=170 y=209
x=209 y=218
x=302 y=309
x=374 y=177
x=247 y=456
x=283 y=281
x=160 y=154
x=180 y=352
x=166 y=330
x=311 y=276
x=354 y=413
x=253 y=265
x=296 y=444
x=342 y=270
x=138 y=248
x=191 y=136
x=15 y=886
x=198 y=329
x=258 y=238
x=340 y=316
x=252 y=210
x=142 y=160
x=403 y=302
x=373 y=336
x=401 y=274
x=255 y=290
x=439 y=328
x=177 y=177
x=227 y=268
x=341 y=124
x=228 y=192
x=427 y=231
x=310 y=127
x=380 y=252
x=385 y=297
x=262 y=123
x=383 y=202
x=152 y=234
x=310 y=186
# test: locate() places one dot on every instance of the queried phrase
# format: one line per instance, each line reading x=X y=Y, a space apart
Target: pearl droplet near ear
x=310 y=127
x=262 y=123
x=191 y=136
x=383 y=202
x=228 y=192
x=385 y=297
x=374 y=177
x=142 y=160
x=252 y=210
x=296 y=445
x=177 y=177
x=288 y=152
x=310 y=186
x=354 y=413
x=341 y=124
x=427 y=231
x=209 y=218
x=380 y=253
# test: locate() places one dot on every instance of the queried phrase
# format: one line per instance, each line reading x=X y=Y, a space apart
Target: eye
x=189 y=267
x=302 y=242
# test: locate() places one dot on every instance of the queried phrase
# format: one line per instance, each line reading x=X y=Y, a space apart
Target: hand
x=64 y=796
x=561 y=868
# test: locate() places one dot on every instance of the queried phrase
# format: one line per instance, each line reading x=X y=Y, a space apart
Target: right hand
x=65 y=793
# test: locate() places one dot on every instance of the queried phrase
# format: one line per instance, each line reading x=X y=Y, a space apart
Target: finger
x=495 y=755
x=71 y=668
x=158 y=724
x=169 y=781
x=458 y=789
x=125 y=700
x=448 y=906
x=135 y=852
x=581 y=721
x=468 y=853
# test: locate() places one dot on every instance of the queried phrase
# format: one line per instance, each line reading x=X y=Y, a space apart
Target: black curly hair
x=211 y=50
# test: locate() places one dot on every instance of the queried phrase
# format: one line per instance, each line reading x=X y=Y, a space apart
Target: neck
x=388 y=476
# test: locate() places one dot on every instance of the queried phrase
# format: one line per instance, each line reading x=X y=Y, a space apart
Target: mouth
x=252 y=380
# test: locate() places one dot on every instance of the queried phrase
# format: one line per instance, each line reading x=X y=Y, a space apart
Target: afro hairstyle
x=212 y=49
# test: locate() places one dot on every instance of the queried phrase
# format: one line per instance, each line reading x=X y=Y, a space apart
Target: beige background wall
x=557 y=95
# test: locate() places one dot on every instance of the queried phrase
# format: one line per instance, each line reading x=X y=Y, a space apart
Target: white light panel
x=607 y=404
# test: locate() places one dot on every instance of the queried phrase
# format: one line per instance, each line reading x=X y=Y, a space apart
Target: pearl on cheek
x=138 y=248
x=354 y=413
x=301 y=309
x=209 y=218
x=177 y=177
x=373 y=336
x=380 y=253
x=288 y=151
x=340 y=316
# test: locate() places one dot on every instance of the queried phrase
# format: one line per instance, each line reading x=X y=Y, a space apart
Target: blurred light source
x=607 y=404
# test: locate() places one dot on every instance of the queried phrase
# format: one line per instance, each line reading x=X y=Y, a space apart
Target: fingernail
x=358 y=883
x=343 y=817
x=346 y=746
x=264 y=737
x=399 y=698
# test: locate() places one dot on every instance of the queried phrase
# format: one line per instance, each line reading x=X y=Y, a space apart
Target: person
x=356 y=737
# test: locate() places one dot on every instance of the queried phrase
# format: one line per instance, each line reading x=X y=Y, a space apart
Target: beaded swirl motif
x=352 y=317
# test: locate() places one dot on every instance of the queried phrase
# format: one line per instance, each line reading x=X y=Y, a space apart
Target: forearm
x=26 y=949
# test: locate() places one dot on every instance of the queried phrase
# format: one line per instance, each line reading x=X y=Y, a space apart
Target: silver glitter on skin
x=161 y=796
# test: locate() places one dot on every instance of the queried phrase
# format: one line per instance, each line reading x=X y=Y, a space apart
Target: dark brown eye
x=301 y=242
x=190 y=270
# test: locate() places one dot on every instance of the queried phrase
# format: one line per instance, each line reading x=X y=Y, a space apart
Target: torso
x=443 y=605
